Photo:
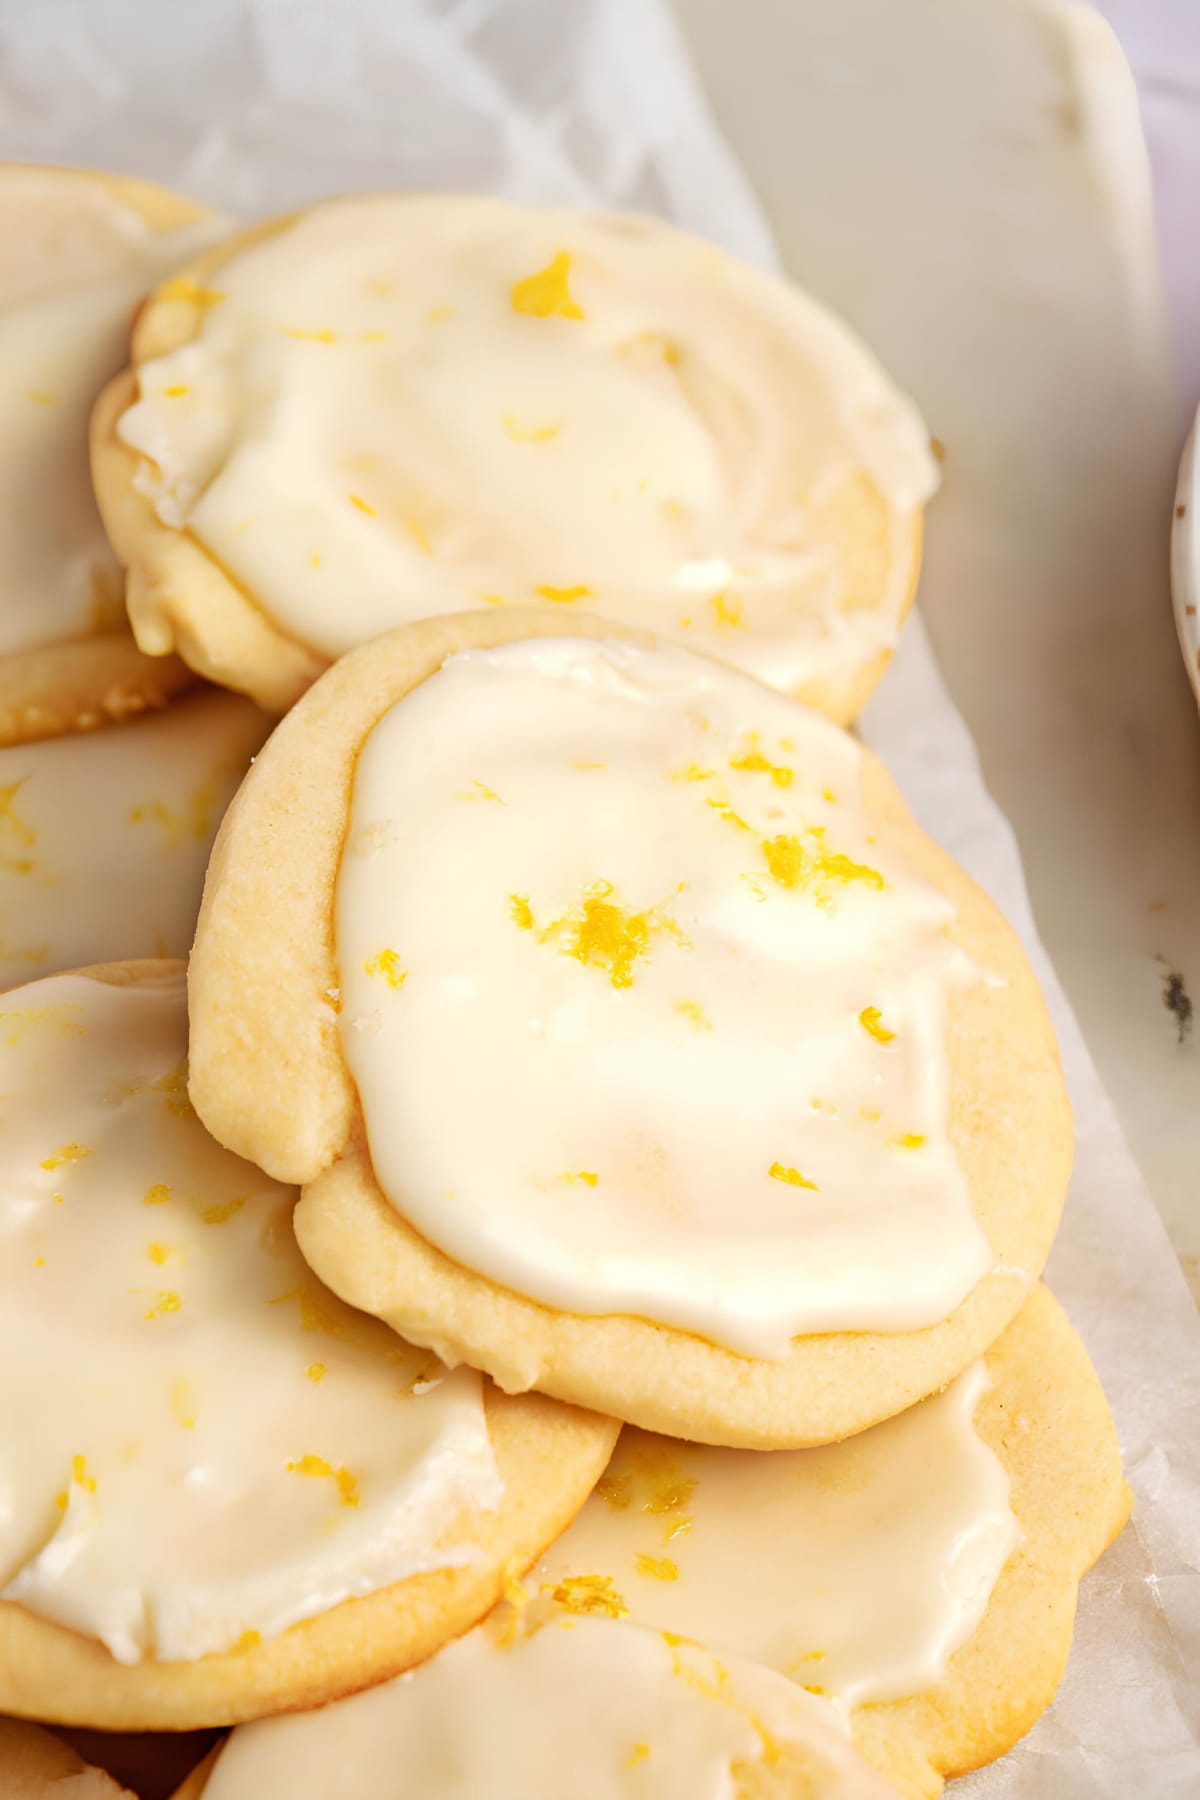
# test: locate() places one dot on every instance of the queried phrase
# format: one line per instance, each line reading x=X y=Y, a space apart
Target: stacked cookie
x=650 y=1390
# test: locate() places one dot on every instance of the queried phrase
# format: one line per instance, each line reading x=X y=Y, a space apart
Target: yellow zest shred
x=529 y=434
x=603 y=933
x=316 y=1312
x=167 y=1301
x=547 y=294
x=656 y=1568
x=158 y=1195
x=347 y=1488
x=828 y=794
x=727 y=611
x=753 y=762
x=221 y=1213
x=191 y=822
x=692 y=1009
x=522 y=912
x=387 y=963
x=781 y=1172
x=158 y=1253
x=183 y=1403
x=593 y=1596
x=615 y=1489
x=482 y=792
x=315 y=1466
x=40 y=397
x=249 y=1640
x=910 y=1140
x=871 y=1020
x=587 y=1176
x=795 y=864
x=723 y=809
x=639 y=1754
x=693 y=772
x=316 y=1372
x=364 y=506
x=67 y=1153
x=563 y=596
x=182 y=287
x=15 y=1024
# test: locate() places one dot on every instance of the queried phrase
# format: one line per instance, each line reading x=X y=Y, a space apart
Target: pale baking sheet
x=261 y=104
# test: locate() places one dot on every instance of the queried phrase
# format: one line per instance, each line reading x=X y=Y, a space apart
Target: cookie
x=35 y=1765
x=104 y=839
x=923 y=1575
x=463 y=403
x=229 y=1495
x=623 y=1710
x=918 y=1580
x=78 y=250
x=630 y=1040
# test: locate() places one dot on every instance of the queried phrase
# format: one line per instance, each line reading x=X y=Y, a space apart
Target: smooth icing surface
x=200 y=1442
x=73 y=264
x=104 y=838
x=623 y=911
x=585 y=1707
x=397 y=407
x=857 y=1569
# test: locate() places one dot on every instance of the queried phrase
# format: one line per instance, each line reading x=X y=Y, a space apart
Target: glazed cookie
x=35 y=1765
x=77 y=252
x=104 y=839
x=462 y=403
x=626 y=1711
x=227 y=1494
x=630 y=1040
x=919 y=1581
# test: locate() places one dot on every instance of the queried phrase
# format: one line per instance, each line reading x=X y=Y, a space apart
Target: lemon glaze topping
x=651 y=968
x=611 y=1709
x=138 y=1391
x=536 y=406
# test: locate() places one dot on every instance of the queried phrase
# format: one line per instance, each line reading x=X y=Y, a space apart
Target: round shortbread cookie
x=459 y=402
x=104 y=839
x=271 y=1078
x=1039 y=1417
x=239 y=1453
x=80 y=250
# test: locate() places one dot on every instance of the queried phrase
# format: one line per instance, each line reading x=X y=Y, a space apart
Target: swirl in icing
x=119 y=875
x=74 y=262
x=402 y=406
x=583 y=1706
x=202 y=1445
x=624 y=911
x=857 y=1569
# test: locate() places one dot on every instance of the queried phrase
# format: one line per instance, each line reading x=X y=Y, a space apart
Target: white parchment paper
x=258 y=105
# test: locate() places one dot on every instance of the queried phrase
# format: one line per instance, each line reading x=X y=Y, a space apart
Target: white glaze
x=372 y=426
x=585 y=1708
x=857 y=1569
x=74 y=262
x=200 y=1442
x=104 y=837
x=705 y=1133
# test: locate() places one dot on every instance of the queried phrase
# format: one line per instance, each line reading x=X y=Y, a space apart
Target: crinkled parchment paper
x=259 y=105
